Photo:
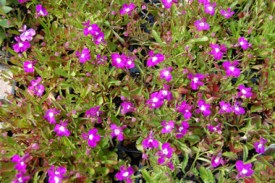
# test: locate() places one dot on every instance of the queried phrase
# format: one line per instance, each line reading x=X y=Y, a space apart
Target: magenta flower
x=125 y=174
x=227 y=13
x=182 y=130
x=201 y=25
x=216 y=161
x=127 y=107
x=155 y=100
x=196 y=80
x=244 y=43
x=117 y=131
x=41 y=11
x=154 y=59
x=84 y=56
x=129 y=62
x=204 y=108
x=94 y=113
x=150 y=142
x=26 y=35
x=28 y=66
x=36 y=88
x=92 y=29
x=184 y=109
x=165 y=93
x=93 y=137
x=217 y=51
x=56 y=174
x=101 y=59
x=21 y=46
x=99 y=38
x=127 y=9
x=237 y=109
x=231 y=69
x=22 y=1
x=61 y=129
x=166 y=74
x=118 y=60
x=21 y=178
x=210 y=8
x=245 y=170
x=50 y=115
x=20 y=165
x=216 y=128
x=259 y=146
x=168 y=3
x=167 y=126
x=204 y=2
x=244 y=92
x=165 y=153
x=224 y=107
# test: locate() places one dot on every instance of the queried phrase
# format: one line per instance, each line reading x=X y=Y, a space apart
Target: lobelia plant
x=81 y=113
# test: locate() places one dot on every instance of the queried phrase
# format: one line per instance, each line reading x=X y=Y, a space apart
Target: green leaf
x=2 y=2
x=6 y=9
x=146 y=175
x=206 y=175
x=230 y=155
x=157 y=37
x=60 y=72
x=4 y=23
x=245 y=153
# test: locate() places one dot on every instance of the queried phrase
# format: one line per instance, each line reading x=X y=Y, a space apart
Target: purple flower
x=168 y=3
x=196 y=80
x=216 y=128
x=182 y=130
x=244 y=43
x=101 y=59
x=125 y=174
x=227 y=13
x=127 y=9
x=245 y=170
x=41 y=11
x=217 y=51
x=118 y=60
x=184 y=109
x=231 y=69
x=244 y=92
x=127 y=107
x=201 y=25
x=154 y=59
x=22 y=1
x=26 y=35
x=237 y=109
x=99 y=38
x=204 y=108
x=21 y=46
x=165 y=93
x=94 y=113
x=150 y=142
x=21 y=178
x=129 y=62
x=165 y=153
x=36 y=88
x=167 y=126
x=50 y=115
x=93 y=137
x=28 y=66
x=166 y=74
x=224 y=107
x=210 y=8
x=259 y=146
x=84 y=56
x=155 y=100
x=92 y=29
x=61 y=129
x=56 y=175
x=20 y=165
x=117 y=131
x=204 y=2
x=216 y=161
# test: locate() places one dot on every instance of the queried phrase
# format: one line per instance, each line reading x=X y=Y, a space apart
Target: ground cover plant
x=138 y=91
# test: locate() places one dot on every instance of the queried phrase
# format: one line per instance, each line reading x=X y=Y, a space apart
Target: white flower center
x=201 y=24
x=237 y=108
x=129 y=62
x=260 y=145
x=20 y=179
x=117 y=132
x=203 y=108
x=125 y=174
x=164 y=92
x=51 y=114
x=210 y=8
x=224 y=107
x=22 y=163
x=155 y=99
x=164 y=151
x=90 y=28
x=195 y=79
x=231 y=68
x=118 y=60
x=166 y=73
x=217 y=159
x=29 y=66
x=56 y=179
x=127 y=9
x=244 y=171
x=91 y=137
x=82 y=55
x=168 y=127
x=154 y=59
x=217 y=50
x=180 y=129
x=21 y=45
x=243 y=91
x=241 y=43
x=61 y=128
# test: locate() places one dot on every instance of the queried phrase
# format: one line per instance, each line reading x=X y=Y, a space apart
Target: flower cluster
x=95 y=31
x=154 y=59
x=157 y=98
x=168 y=3
x=36 y=88
x=94 y=113
x=165 y=155
x=21 y=167
x=56 y=174
x=125 y=174
x=122 y=61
